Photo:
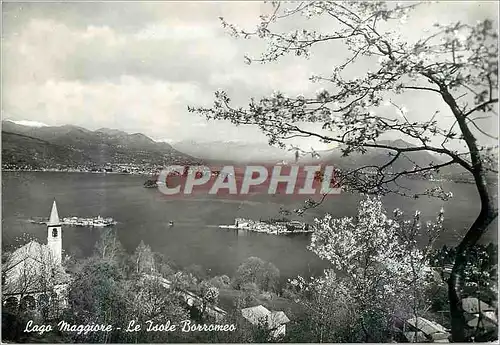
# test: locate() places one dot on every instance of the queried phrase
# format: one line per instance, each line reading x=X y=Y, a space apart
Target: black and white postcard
x=249 y=172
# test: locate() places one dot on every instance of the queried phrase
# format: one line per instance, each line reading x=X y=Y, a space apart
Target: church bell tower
x=54 y=235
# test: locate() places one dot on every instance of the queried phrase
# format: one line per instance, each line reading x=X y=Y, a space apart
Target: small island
x=272 y=226
x=79 y=221
x=151 y=183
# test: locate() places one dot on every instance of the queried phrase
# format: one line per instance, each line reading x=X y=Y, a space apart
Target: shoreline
x=270 y=228
x=81 y=172
x=458 y=181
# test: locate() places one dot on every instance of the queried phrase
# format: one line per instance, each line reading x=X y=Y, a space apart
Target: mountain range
x=71 y=146
x=222 y=152
x=233 y=151
x=263 y=153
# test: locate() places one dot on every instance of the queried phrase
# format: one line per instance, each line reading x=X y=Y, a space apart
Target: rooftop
x=426 y=326
x=260 y=314
x=30 y=268
x=54 y=216
x=473 y=305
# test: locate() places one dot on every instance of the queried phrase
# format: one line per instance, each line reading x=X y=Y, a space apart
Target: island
x=79 y=221
x=272 y=226
x=151 y=183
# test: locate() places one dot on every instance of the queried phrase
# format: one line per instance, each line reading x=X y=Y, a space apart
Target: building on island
x=275 y=321
x=33 y=274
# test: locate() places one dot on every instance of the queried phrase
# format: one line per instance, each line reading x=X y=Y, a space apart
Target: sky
x=136 y=66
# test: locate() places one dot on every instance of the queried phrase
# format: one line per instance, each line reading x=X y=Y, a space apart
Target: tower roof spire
x=54 y=216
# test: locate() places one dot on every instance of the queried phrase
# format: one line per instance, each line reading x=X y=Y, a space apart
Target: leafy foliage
x=457 y=62
x=143 y=259
x=456 y=59
x=481 y=274
x=255 y=270
x=379 y=274
x=96 y=295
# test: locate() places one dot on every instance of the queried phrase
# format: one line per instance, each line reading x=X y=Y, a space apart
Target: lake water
x=143 y=214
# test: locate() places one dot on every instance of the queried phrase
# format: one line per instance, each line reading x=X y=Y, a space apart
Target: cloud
x=130 y=103
x=174 y=31
x=137 y=66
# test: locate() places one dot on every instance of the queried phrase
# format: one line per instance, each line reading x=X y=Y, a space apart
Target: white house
x=479 y=312
x=275 y=320
x=423 y=330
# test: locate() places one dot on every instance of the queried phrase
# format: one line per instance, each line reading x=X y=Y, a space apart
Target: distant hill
x=20 y=150
x=220 y=152
x=379 y=157
x=232 y=151
x=262 y=152
x=407 y=161
x=71 y=145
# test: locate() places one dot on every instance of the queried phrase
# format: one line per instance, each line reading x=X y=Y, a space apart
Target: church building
x=33 y=273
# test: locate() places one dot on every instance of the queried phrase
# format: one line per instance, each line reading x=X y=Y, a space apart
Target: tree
x=109 y=247
x=96 y=294
x=144 y=261
x=220 y=281
x=255 y=270
x=458 y=63
x=196 y=270
x=329 y=312
x=164 y=265
x=379 y=273
x=481 y=276
x=148 y=300
x=248 y=297
x=209 y=295
x=182 y=280
x=270 y=278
